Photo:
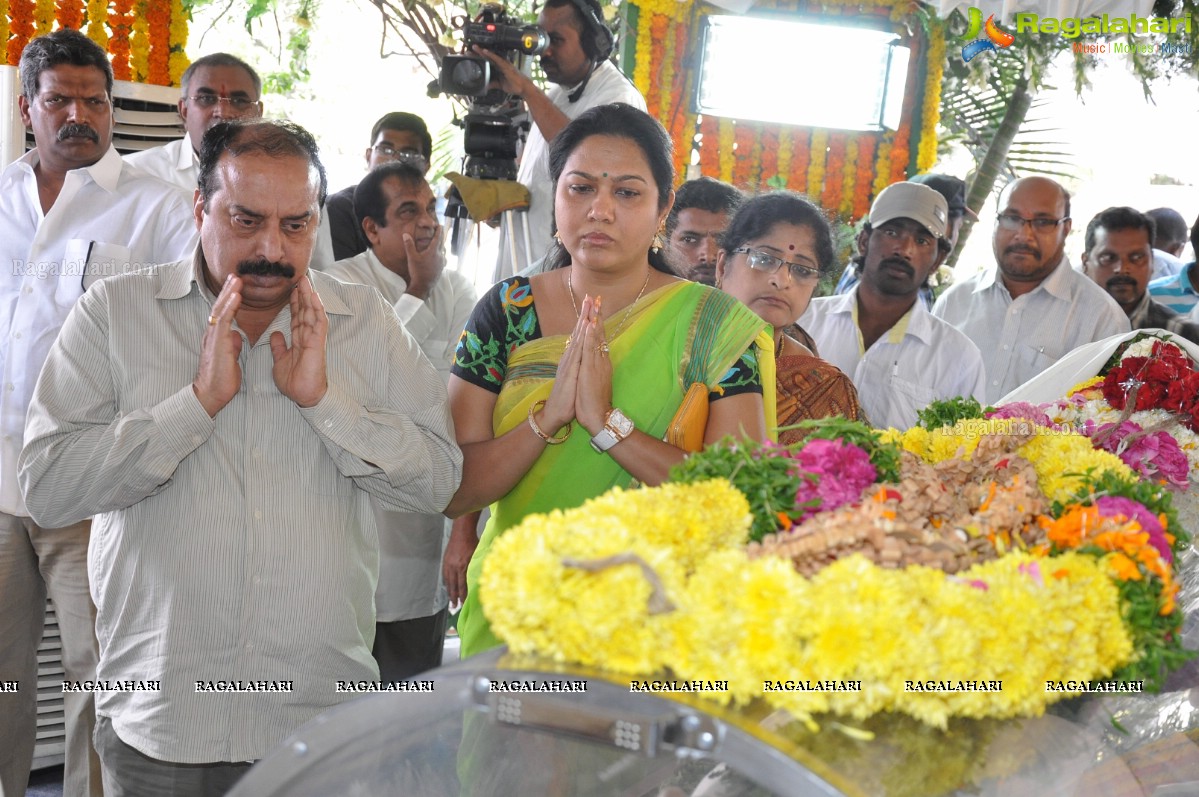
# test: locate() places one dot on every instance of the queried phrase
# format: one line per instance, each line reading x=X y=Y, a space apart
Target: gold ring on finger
x=212 y=321
x=602 y=348
x=569 y=338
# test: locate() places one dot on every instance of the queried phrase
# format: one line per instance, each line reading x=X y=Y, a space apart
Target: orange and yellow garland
x=146 y=38
x=841 y=170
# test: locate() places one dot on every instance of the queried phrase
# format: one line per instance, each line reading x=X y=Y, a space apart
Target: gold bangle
x=553 y=441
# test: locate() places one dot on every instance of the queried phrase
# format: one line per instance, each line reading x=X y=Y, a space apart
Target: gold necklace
x=571 y=289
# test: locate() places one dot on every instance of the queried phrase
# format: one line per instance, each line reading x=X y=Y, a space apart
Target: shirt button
x=328 y=424
x=256 y=453
x=995 y=382
x=196 y=439
x=9 y=388
x=1005 y=347
x=27 y=289
x=17 y=335
x=258 y=514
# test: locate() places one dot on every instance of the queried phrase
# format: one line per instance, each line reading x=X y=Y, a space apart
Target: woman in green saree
x=564 y=383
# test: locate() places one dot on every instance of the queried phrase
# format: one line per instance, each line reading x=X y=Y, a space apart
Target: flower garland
x=682 y=127
x=784 y=150
x=727 y=133
x=97 y=14
x=139 y=44
x=930 y=114
x=864 y=186
x=882 y=170
x=849 y=176
x=642 y=51
x=4 y=27
x=158 y=16
x=118 y=45
x=817 y=153
x=744 y=136
x=768 y=156
x=20 y=13
x=665 y=52
x=801 y=158
x=69 y=13
x=657 y=86
x=830 y=195
x=178 y=61
x=43 y=17
x=709 y=146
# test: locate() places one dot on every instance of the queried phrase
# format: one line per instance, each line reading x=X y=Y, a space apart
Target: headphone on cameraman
x=598 y=40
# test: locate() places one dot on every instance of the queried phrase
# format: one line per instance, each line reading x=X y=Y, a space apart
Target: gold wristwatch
x=617 y=426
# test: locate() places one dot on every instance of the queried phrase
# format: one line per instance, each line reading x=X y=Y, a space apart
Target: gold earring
x=659 y=238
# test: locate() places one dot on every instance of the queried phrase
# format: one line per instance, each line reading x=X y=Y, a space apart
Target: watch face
x=621 y=423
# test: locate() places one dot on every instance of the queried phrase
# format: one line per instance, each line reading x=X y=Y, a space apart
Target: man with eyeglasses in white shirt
x=71 y=212
x=216 y=88
x=1032 y=308
x=899 y=357
x=397 y=136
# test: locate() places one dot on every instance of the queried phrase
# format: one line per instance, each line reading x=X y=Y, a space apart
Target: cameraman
x=576 y=61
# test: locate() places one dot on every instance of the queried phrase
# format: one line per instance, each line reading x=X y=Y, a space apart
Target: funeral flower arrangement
x=984 y=564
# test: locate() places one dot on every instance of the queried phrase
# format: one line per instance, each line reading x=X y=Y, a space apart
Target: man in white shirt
x=576 y=61
x=1032 y=308
x=216 y=88
x=227 y=418
x=70 y=213
x=899 y=357
x=405 y=262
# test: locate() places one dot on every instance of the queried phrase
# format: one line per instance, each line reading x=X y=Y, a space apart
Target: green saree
x=680 y=330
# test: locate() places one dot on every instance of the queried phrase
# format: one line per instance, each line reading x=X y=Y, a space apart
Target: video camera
x=493 y=29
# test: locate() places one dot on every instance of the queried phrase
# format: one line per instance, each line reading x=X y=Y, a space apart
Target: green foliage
x=947 y=412
x=768 y=482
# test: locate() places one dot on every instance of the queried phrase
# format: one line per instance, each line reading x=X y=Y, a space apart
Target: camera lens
x=470 y=75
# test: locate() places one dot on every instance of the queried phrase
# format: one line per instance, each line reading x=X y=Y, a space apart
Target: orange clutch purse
x=690 y=422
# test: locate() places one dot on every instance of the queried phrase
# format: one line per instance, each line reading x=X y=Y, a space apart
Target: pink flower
x=1033 y=571
x=1155 y=456
x=1023 y=410
x=841 y=472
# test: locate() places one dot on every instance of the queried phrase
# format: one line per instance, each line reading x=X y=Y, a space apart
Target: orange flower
x=21 y=28
x=70 y=14
x=1124 y=568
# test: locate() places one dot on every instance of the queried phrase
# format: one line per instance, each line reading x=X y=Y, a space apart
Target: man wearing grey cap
x=899 y=357
x=954 y=191
x=1032 y=308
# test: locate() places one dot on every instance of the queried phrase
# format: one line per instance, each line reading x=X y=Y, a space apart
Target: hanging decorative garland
x=158 y=23
x=43 y=17
x=178 y=61
x=69 y=13
x=20 y=14
x=139 y=44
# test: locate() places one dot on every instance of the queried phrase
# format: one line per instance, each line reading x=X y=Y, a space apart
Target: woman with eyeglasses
x=772 y=255
x=565 y=383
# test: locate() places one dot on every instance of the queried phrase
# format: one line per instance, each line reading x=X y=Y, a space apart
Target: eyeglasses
x=401 y=155
x=210 y=100
x=1011 y=222
x=762 y=261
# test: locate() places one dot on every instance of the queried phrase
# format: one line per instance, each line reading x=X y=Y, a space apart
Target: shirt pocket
x=912 y=394
x=86 y=262
x=1034 y=359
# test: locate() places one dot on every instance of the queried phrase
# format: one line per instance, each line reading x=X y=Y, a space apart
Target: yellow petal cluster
x=538 y=603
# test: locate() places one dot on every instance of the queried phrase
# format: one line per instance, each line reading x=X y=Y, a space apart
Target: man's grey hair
x=64 y=46
x=220 y=59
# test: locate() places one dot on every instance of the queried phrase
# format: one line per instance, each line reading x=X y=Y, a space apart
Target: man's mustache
x=73 y=129
x=1116 y=281
x=900 y=263
x=265 y=268
x=1022 y=248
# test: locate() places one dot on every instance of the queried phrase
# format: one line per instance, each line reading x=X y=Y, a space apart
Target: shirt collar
x=178 y=278
x=1057 y=283
x=187 y=156
x=1184 y=278
x=383 y=273
x=105 y=172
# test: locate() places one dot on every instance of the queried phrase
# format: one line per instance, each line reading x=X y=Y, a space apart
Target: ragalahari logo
x=994 y=36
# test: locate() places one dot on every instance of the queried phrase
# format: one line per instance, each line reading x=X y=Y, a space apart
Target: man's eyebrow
x=245 y=211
